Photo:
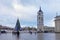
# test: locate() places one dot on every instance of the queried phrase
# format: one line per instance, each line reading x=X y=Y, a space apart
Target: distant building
x=57 y=24
x=5 y=28
x=40 y=22
x=49 y=29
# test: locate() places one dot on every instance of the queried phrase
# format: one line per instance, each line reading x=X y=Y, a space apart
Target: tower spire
x=40 y=9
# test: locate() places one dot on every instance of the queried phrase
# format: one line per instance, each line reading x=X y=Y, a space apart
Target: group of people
x=32 y=32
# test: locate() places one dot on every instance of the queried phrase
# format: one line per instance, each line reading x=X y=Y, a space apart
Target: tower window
x=39 y=17
x=39 y=13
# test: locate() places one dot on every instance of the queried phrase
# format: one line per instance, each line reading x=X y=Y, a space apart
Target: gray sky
x=26 y=11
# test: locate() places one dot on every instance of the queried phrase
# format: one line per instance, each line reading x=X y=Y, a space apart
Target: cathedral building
x=57 y=23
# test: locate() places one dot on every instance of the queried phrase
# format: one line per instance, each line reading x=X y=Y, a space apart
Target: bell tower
x=40 y=24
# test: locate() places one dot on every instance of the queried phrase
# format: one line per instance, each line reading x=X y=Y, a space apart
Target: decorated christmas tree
x=17 y=27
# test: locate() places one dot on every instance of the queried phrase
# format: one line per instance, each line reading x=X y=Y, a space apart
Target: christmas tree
x=17 y=27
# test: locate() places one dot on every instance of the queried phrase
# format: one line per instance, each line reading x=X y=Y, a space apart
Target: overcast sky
x=26 y=11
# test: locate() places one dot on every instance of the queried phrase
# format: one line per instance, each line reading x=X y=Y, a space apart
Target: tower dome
x=40 y=10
